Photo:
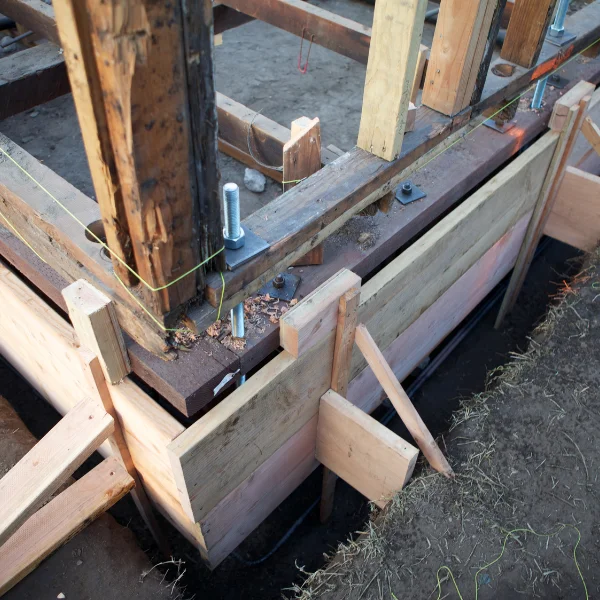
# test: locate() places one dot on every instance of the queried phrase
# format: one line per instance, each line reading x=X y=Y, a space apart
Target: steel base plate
x=253 y=247
x=500 y=128
x=283 y=293
x=561 y=40
x=415 y=194
x=558 y=82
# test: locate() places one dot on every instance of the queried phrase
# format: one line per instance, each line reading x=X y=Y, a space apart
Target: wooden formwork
x=217 y=479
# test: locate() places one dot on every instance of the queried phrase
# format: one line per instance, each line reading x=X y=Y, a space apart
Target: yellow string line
x=163 y=287
x=561 y=527
x=97 y=239
x=22 y=238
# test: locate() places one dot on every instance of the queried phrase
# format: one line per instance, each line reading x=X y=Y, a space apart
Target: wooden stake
x=395 y=47
x=419 y=72
x=591 y=131
x=342 y=357
x=407 y=412
x=526 y=31
x=94 y=319
x=544 y=206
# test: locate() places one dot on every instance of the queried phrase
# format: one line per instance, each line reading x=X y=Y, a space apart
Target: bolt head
x=234 y=244
x=279 y=281
x=407 y=188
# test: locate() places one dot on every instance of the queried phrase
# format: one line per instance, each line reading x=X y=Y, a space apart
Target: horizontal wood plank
x=362 y=451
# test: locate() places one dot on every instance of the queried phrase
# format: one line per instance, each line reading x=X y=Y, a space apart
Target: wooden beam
x=61 y=519
x=404 y=407
x=340 y=376
x=575 y=216
x=94 y=319
x=458 y=48
x=362 y=451
x=563 y=105
x=395 y=46
x=51 y=462
x=31 y=77
x=305 y=325
x=303 y=19
x=526 y=31
x=302 y=153
x=591 y=131
x=36 y=15
x=419 y=72
x=544 y=205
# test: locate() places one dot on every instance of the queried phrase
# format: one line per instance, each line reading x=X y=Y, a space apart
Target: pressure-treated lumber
x=305 y=325
x=314 y=23
x=526 y=31
x=51 y=462
x=61 y=519
x=364 y=453
x=404 y=407
x=395 y=47
x=31 y=77
x=591 y=131
x=223 y=448
x=544 y=205
x=575 y=216
x=458 y=48
x=340 y=377
x=94 y=319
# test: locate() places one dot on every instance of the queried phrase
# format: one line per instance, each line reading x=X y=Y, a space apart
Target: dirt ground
x=525 y=454
x=256 y=65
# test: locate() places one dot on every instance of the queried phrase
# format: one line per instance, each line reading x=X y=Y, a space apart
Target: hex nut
x=235 y=244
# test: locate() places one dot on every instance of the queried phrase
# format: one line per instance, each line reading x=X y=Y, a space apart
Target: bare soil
x=526 y=459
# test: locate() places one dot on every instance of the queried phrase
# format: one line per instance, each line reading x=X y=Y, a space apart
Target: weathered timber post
x=142 y=78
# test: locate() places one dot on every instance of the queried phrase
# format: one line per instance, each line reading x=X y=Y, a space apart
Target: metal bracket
x=559 y=40
x=283 y=286
x=406 y=193
x=254 y=246
x=499 y=128
x=558 y=82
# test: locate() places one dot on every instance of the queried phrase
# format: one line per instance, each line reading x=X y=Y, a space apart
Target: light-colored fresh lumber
x=263 y=490
x=51 y=462
x=575 y=216
x=94 y=319
x=526 y=31
x=571 y=98
x=397 y=295
x=305 y=325
x=404 y=407
x=43 y=347
x=456 y=53
x=225 y=447
x=340 y=377
x=544 y=205
x=393 y=56
x=362 y=451
x=61 y=519
x=591 y=131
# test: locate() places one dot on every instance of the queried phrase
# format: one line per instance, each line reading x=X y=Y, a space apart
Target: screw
x=557 y=29
x=540 y=88
x=233 y=232
x=279 y=281
x=407 y=188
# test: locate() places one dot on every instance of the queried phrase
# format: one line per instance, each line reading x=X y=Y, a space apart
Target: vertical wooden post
x=302 y=158
x=544 y=205
x=526 y=31
x=340 y=375
x=395 y=46
x=153 y=63
x=459 y=45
